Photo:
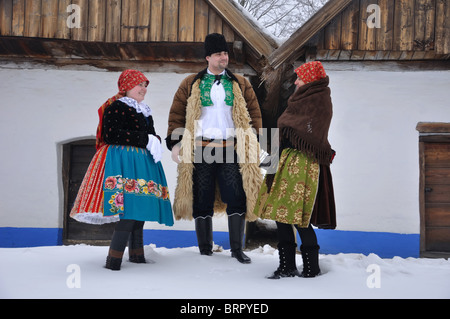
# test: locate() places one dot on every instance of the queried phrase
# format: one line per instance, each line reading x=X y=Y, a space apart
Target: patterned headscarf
x=311 y=71
x=127 y=80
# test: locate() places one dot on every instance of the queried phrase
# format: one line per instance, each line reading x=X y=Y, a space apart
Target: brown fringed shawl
x=306 y=120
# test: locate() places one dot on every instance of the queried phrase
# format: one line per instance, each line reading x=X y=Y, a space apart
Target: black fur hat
x=214 y=43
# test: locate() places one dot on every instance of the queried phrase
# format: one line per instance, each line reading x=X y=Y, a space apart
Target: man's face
x=217 y=62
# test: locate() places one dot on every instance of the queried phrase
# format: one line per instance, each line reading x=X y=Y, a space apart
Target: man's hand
x=176 y=153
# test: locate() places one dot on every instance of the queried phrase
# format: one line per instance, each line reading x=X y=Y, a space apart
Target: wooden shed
x=152 y=35
x=373 y=34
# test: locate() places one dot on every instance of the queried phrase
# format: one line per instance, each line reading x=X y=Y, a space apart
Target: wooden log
x=62 y=29
x=143 y=20
x=442 y=37
x=186 y=24
x=170 y=21
x=424 y=19
x=201 y=20
x=333 y=34
x=156 y=20
x=6 y=13
x=81 y=34
x=215 y=23
x=350 y=25
x=49 y=18
x=18 y=18
x=385 y=34
x=129 y=20
x=97 y=20
x=32 y=18
x=367 y=35
x=404 y=25
x=113 y=15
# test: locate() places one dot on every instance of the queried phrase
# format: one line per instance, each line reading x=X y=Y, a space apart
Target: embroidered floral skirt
x=123 y=182
x=135 y=186
x=293 y=193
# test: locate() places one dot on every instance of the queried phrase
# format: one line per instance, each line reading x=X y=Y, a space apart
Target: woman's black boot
x=287 y=267
x=310 y=256
x=136 y=246
x=115 y=254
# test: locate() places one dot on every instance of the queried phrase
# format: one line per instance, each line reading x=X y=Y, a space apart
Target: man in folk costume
x=213 y=123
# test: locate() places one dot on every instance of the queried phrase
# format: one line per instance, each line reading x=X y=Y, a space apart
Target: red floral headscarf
x=127 y=80
x=311 y=71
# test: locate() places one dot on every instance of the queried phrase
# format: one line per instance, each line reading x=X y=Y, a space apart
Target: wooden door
x=76 y=159
x=434 y=148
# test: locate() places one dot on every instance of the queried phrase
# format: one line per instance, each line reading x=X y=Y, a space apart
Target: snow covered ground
x=182 y=273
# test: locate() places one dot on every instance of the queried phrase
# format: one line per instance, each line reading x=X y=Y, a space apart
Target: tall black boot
x=236 y=225
x=310 y=256
x=287 y=267
x=204 y=230
x=136 y=244
x=115 y=254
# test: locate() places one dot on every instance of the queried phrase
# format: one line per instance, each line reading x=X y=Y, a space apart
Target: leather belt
x=214 y=143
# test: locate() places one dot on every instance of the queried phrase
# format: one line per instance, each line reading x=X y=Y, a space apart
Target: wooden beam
x=120 y=65
x=243 y=27
x=433 y=127
x=289 y=51
x=390 y=66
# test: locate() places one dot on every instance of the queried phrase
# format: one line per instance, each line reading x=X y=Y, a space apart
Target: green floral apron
x=293 y=193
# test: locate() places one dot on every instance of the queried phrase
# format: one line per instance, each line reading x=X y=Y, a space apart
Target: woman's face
x=299 y=83
x=138 y=92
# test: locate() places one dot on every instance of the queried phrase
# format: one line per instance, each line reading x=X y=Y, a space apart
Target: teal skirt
x=135 y=187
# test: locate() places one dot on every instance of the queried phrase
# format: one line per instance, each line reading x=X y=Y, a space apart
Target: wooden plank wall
x=113 y=20
x=405 y=25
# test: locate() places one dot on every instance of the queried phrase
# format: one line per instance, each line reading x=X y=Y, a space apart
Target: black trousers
x=221 y=168
x=287 y=235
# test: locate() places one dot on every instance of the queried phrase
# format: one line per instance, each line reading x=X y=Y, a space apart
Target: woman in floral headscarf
x=125 y=181
x=300 y=193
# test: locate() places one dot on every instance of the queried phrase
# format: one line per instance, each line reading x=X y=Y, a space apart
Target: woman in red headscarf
x=125 y=181
x=300 y=193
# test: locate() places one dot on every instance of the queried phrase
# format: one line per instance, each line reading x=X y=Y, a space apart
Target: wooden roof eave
x=261 y=43
x=290 y=50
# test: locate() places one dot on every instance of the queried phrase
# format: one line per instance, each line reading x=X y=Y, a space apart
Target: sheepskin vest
x=247 y=148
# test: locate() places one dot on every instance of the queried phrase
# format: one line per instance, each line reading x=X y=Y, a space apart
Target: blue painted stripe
x=11 y=237
x=385 y=245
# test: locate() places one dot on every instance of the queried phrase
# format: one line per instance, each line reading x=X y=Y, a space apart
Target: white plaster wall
x=376 y=172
